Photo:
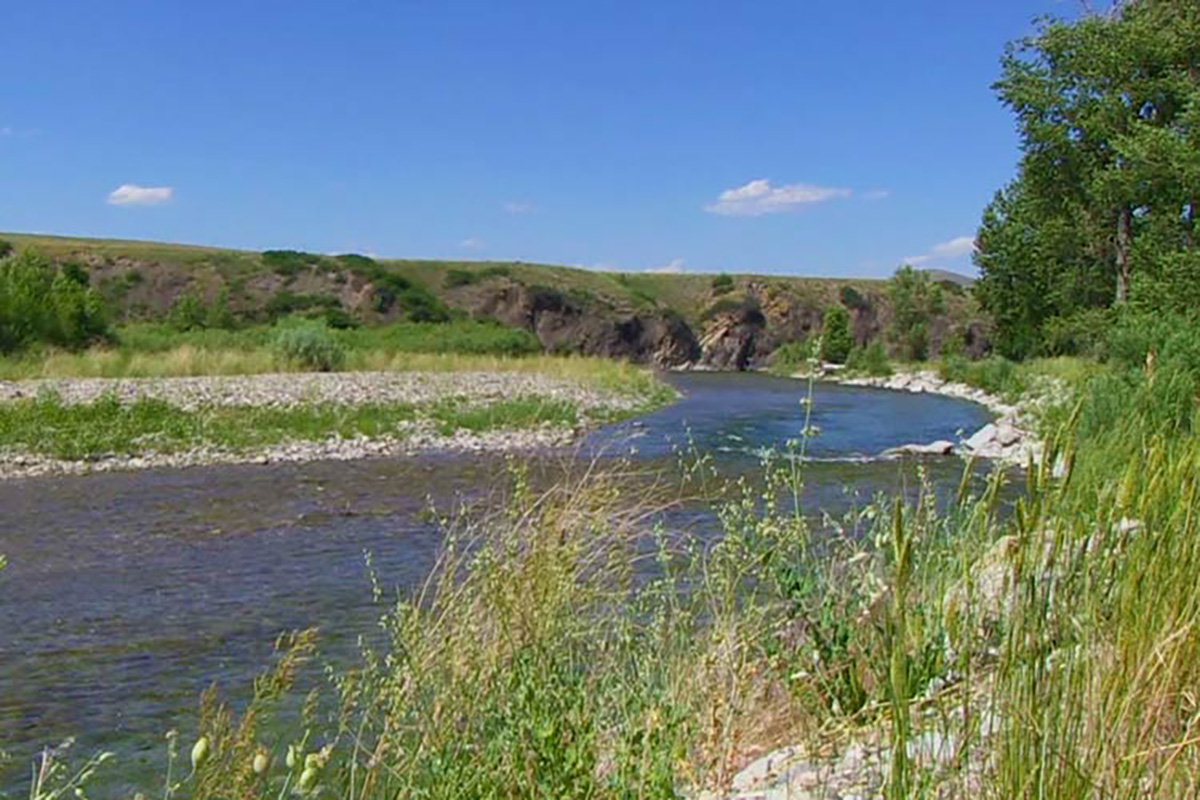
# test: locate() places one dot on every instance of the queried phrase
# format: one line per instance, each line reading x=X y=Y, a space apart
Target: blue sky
x=766 y=136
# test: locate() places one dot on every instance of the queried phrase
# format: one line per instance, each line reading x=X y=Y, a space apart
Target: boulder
x=938 y=448
x=981 y=438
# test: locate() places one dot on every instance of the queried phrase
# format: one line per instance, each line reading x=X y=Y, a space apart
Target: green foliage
x=1103 y=209
x=794 y=357
x=915 y=300
x=853 y=299
x=188 y=312
x=1083 y=333
x=722 y=284
x=724 y=305
x=836 y=341
x=870 y=360
x=6 y=248
x=41 y=304
x=394 y=291
x=356 y=261
x=996 y=375
x=290 y=263
x=458 y=276
x=285 y=303
x=530 y=411
x=475 y=337
x=311 y=345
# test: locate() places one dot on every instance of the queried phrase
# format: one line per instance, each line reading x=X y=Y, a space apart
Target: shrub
x=6 y=248
x=42 y=304
x=311 y=345
x=290 y=263
x=219 y=315
x=853 y=299
x=1083 y=333
x=474 y=337
x=457 y=276
x=835 y=335
x=793 y=357
x=354 y=260
x=723 y=306
x=722 y=284
x=996 y=375
x=870 y=360
x=339 y=319
x=188 y=312
x=1171 y=338
x=285 y=303
x=915 y=299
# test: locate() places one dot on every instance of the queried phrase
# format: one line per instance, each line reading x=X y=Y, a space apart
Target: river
x=129 y=593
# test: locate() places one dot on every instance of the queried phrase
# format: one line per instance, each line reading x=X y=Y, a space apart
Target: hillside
x=719 y=321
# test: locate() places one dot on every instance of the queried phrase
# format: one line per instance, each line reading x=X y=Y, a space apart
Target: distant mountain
x=952 y=277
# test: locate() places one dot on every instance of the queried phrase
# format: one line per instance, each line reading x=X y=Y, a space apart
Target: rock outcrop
x=564 y=324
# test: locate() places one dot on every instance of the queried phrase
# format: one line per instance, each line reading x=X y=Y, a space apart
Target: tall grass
x=1047 y=647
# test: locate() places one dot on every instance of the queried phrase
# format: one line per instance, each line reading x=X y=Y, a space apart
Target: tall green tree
x=915 y=299
x=1108 y=109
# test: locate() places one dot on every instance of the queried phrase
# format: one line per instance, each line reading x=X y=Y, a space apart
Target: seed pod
x=312 y=761
x=261 y=762
x=308 y=779
x=199 y=752
x=293 y=756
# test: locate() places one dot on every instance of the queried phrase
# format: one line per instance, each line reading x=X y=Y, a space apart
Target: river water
x=129 y=593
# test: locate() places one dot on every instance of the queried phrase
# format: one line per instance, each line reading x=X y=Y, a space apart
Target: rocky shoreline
x=1009 y=439
x=280 y=390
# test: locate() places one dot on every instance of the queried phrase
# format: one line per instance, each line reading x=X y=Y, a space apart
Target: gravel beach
x=296 y=389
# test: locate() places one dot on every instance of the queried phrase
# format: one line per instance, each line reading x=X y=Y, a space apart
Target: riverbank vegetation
x=1042 y=647
x=107 y=428
x=990 y=644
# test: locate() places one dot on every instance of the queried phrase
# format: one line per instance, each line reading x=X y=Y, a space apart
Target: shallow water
x=129 y=593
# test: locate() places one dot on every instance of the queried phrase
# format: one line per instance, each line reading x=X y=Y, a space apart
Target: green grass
x=688 y=294
x=1059 y=636
x=455 y=414
x=104 y=427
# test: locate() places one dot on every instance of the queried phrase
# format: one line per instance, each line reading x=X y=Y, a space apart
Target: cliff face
x=718 y=322
x=571 y=325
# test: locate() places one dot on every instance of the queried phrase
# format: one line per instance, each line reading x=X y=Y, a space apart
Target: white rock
x=981 y=438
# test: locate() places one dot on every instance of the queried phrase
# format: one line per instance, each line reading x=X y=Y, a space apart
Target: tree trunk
x=1124 y=240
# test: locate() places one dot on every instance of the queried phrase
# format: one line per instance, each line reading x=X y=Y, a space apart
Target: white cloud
x=519 y=207
x=471 y=243
x=876 y=194
x=675 y=265
x=759 y=197
x=130 y=194
x=958 y=246
x=943 y=251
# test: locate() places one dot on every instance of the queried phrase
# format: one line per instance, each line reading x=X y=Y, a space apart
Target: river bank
x=1010 y=439
x=84 y=425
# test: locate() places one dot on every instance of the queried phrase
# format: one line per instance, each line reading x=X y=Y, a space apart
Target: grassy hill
x=690 y=294
x=569 y=309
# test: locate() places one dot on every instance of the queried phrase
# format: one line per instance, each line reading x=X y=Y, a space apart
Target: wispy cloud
x=675 y=265
x=759 y=197
x=131 y=194
x=471 y=243
x=519 y=207
x=876 y=194
x=944 y=251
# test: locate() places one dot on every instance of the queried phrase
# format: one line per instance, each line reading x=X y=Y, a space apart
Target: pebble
x=292 y=389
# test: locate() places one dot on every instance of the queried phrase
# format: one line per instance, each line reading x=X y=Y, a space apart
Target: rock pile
x=1009 y=439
